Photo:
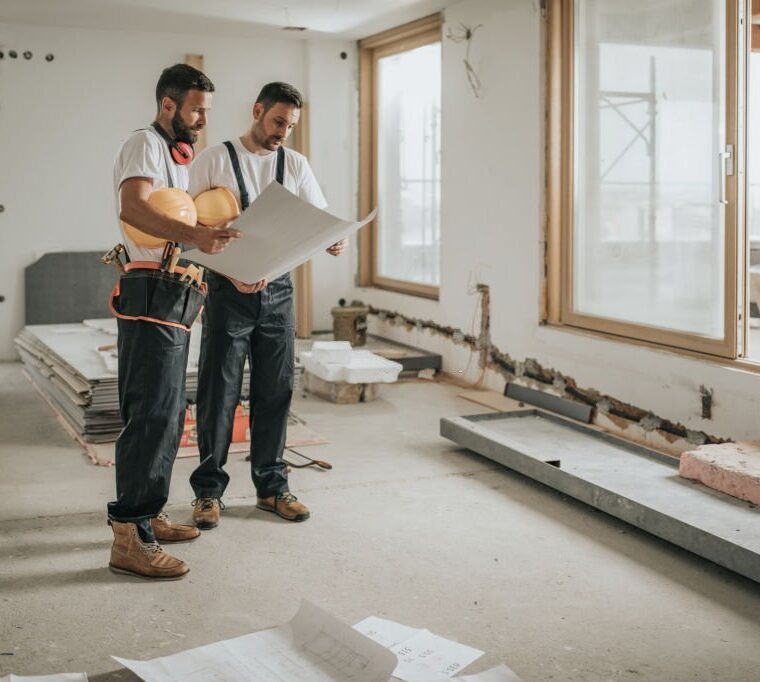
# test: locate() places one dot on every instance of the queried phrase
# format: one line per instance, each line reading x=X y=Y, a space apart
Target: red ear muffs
x=182 y=152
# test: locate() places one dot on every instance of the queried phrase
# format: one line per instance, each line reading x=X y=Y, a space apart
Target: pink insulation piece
x=732 y=468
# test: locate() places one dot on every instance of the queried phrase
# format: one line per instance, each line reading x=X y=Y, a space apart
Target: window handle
x=726 y=161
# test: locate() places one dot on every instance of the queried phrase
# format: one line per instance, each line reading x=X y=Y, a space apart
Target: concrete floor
x=406 y=526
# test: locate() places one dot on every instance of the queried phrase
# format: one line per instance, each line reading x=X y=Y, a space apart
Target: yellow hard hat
x=216 y=206
x=172 y=202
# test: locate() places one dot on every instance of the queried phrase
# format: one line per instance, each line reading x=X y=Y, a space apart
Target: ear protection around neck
x=182 y=153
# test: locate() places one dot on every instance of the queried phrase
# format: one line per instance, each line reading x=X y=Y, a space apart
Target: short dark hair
x=273 y=93
x=176 y=80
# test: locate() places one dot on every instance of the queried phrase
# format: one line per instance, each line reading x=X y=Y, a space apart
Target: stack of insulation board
x=66 y=365
x=336 y=361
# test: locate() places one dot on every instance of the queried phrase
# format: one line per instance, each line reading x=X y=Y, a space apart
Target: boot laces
x=150 y=548
x=287 y=497
x=206 y=503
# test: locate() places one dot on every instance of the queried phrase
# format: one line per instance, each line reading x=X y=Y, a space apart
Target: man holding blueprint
x=253 y=320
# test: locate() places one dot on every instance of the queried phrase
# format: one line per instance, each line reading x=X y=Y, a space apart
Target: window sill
x=406 y=288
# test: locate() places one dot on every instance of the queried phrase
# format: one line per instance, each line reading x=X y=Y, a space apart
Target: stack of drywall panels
x=75 y=368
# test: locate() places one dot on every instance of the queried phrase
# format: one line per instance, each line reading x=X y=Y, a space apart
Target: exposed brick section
x=532 y=369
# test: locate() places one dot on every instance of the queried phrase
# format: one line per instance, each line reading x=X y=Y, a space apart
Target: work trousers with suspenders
x=236 y=326
x=153 y=357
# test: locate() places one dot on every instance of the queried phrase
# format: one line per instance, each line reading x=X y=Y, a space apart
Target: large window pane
x=649 y=126
x=752 y=351
x=753 y=155
x=408 y=164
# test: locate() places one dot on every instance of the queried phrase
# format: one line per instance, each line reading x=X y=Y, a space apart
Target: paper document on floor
x=422 y=655
x=384 y=631
x=426 y=652
x=313 y=647
x=280 y=232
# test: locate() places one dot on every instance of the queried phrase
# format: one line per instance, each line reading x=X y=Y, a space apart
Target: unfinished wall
x=491 y=227
x=61 y=124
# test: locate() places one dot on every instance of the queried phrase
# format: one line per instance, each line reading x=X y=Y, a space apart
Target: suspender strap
x=280 y=164
x=244 y=198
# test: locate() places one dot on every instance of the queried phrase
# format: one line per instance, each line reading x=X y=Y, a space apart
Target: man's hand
x=338 y=248
x=214 y=239
x=244 y=288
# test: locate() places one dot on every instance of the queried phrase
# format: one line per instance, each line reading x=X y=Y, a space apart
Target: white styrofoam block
x=363 y=368
x=332 y=351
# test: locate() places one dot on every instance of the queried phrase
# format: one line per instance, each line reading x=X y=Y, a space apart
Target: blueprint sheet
x=313 y=647
x=280 y=232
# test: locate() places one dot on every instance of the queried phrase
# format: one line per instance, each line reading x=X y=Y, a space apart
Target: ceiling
x=346 y=19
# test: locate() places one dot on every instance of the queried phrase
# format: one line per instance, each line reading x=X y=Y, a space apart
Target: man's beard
x=182 y=131
x=270 y=143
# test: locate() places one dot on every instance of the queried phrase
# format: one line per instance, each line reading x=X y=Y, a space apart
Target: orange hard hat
x=172 y=202
x=216 y=206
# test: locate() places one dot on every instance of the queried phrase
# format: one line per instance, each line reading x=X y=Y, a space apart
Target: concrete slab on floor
x=625 y=480
x=406 y=526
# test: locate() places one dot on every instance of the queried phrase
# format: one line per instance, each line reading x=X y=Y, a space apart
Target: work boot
x=285 y=505
x=166 y=530
x=206 y=512
x=132 y=556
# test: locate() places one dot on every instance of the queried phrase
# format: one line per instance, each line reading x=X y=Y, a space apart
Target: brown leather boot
x=132 y=556
x=207 y=512
x=166 y=530
x=285 y=505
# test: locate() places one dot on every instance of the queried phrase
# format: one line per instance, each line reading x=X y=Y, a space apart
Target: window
x=401 y=158
x=642 y=194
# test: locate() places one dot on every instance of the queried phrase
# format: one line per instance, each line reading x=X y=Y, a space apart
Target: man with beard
x=250 y=321
x=152 y=340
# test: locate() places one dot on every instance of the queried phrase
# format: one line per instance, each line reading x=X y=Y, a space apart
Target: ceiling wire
x=464 y=34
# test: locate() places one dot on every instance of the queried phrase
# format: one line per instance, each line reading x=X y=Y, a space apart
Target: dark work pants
x=259 y=327
x=152 y=364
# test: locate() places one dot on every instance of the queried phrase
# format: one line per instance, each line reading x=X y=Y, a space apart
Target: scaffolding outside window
x=642 y=228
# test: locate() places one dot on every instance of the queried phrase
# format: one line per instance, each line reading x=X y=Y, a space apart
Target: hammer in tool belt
x=114 y=256
x=191 y=275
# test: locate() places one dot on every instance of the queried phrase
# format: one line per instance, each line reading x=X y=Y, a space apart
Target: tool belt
x=147 y=292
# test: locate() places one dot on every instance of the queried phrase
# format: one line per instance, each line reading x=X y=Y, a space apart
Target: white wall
x=61 y=124
x=332 y=96
x=491 y=229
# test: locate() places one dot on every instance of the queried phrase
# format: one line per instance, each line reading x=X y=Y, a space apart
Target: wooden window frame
x=557 y=303
x=303 y=278
x=401 y=39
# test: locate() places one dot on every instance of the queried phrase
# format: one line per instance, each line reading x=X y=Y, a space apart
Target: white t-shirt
x=213 y=168
x=145 y=154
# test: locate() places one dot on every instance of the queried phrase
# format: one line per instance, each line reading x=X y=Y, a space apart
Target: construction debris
x=732 y=468
x=353 y=367
x=335 y=372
